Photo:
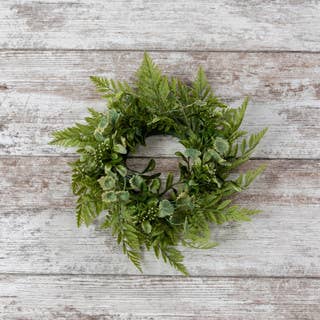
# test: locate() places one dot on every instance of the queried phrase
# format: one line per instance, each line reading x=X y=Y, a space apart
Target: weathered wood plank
x=44 y=91
x=205 y=25
x=37 y=182
x=109 y=297
x=281 y=241
x=39 y=235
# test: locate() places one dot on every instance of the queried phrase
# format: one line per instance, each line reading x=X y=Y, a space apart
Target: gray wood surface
x=44 y=182
x=147 y=25
x=112 y=297
x=44 y=91
x=265 y=269
x=39 y=224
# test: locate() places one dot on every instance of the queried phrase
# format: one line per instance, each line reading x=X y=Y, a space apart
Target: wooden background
x=268 y=50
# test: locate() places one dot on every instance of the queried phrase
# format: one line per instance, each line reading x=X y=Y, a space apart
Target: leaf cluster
x=142 y=210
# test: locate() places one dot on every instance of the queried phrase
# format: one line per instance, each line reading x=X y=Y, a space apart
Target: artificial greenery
x=142 y=210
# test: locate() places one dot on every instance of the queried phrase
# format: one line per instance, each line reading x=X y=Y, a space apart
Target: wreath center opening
x=162 y=149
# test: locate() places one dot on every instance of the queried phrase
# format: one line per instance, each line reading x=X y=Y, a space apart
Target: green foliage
x=165 y=208
x=141 y=211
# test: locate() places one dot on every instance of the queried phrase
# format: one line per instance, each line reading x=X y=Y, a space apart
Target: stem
x=166 y=190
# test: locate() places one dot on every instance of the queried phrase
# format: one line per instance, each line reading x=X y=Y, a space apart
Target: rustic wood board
x=111 y=297
x=44 y=91
x=275 y=243
x=174 y=25
x=39 y=233
x=268 y=50
x=44 y=182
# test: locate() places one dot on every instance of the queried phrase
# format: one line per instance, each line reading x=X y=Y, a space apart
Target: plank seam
x=73 y=156
x=158 y=50
x=55 y=274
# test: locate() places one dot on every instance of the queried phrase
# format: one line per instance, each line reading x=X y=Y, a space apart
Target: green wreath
x=144 y=211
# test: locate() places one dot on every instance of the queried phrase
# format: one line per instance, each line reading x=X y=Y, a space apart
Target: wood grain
x=44 y=91
x=44 y=182
x=264 y=270
x=39 y=235
x=105 y=297
x=281 y=241
x=166 y=25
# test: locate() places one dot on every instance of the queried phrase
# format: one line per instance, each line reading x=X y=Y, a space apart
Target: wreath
x=143 y=210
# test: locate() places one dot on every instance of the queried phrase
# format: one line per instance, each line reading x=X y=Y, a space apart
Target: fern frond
x=70 y=137
x=247 y=147
x=235 y=213
x=245 y=179
x=135 y=258
x=201 y=87
x=102 y=84
x=239 y=114
x=174 y=257
x=86 y=210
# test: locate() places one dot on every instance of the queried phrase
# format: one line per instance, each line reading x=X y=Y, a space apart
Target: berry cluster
x=150 y=214
x=99 y=154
